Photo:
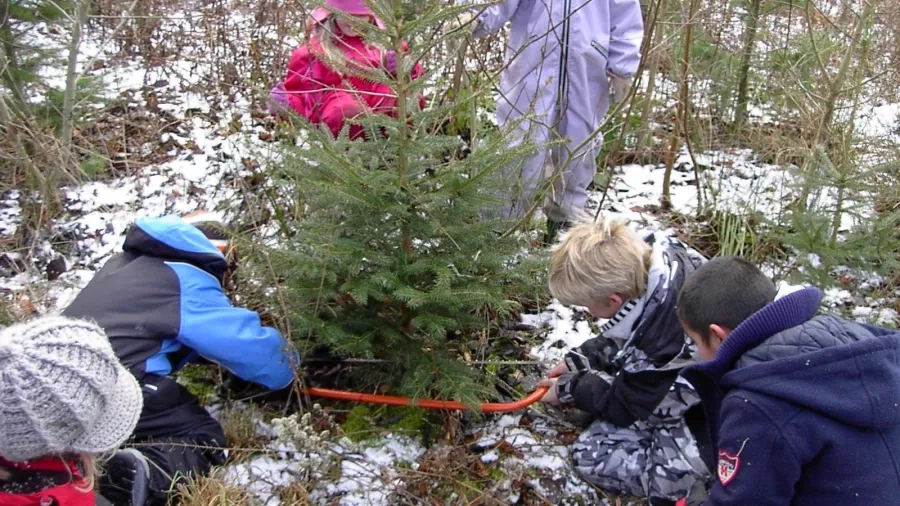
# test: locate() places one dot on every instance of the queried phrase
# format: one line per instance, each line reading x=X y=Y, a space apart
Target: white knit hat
x=62 y=391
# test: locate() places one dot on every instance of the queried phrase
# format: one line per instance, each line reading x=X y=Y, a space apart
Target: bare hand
x=549 y=397
x=560 y=369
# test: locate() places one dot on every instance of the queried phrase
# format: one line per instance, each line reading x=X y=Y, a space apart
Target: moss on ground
x=362 y=421
x=200 y=381
x=358 y=425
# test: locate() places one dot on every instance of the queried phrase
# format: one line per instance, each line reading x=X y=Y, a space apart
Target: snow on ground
x=367 y=471
x=207 y=152
x=539 y=450
x=880 y=122
x=734 y=181
x=98 y=213
x=565 y=331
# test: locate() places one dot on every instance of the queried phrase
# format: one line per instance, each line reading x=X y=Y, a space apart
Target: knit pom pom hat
x=63 y=391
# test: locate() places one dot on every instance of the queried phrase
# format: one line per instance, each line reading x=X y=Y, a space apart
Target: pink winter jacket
x=322 y=95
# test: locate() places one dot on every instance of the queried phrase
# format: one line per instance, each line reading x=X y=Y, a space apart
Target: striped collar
x=620 y=315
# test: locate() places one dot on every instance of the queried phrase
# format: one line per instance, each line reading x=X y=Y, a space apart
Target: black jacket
x=162 y=305
x=626 y=373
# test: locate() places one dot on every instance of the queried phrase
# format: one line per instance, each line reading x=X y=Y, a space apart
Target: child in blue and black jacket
x=161 y=302
x=805 y=408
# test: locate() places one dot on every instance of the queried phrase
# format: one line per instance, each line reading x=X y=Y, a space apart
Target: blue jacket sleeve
x=757 y=464
x=878 y=331
x=230 y=336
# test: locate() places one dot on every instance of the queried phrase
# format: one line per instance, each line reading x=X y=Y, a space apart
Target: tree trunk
x=837 y=83
x=750 y=30
x=681 y=113
x=81 y=14
x=844 y=163
x=835 y=88
x=645 y=137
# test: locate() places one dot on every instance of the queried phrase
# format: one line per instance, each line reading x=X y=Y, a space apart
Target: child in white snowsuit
x=640 y=443
x=563 y=57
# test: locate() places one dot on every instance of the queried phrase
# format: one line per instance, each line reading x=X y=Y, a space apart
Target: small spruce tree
x=389 y=254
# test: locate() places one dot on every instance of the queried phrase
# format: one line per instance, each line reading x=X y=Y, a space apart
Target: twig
x=78 y=22
x=124 y=18
x=365 y=361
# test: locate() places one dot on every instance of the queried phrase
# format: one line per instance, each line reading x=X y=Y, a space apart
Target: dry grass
x=241 y=429
x=295 y=494
x=445 y=472
x=211 y=491
x=454 y=476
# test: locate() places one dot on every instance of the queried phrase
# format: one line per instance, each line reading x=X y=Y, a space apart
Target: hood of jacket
x=172 y=238
x=44 y=481
x=647 y=329
x=825 y=364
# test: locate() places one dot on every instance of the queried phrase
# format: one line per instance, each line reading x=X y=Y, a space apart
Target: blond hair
x=325 y=32
x=86 y=463
x=597 y=260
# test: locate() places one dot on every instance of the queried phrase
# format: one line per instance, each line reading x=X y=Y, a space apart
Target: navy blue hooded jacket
x=805 y=409
x=162 y=305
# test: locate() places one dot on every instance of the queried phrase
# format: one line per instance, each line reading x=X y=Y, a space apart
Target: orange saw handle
x=391 y=400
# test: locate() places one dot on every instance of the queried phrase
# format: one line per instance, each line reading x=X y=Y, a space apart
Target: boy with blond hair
x=627 y=377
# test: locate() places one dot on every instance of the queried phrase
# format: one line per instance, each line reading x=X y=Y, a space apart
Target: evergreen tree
x=20 y=81
x=389 y=254
x=21 y=61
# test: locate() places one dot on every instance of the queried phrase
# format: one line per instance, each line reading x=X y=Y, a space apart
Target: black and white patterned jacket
x=627 y=372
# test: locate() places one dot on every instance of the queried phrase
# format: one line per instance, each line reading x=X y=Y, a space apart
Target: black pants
x=177 y=435
x=699 y=427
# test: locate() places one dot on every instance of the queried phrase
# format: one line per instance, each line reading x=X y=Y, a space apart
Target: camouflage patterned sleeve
x=594 y=354
x=580 y=381
x=629 y=397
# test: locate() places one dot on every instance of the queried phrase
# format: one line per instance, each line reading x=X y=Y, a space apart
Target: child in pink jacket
x=324 y=95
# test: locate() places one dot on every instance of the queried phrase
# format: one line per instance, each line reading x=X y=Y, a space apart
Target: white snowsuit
x=555 y=87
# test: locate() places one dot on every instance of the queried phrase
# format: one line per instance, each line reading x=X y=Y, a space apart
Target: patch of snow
x=815 y=261
x=862 y=312
x=10 y=213
x=880 y=122
x=262 y=476
x=368 y=470
x=733 y=181
x=837 y=297
x=540 y=453
x=491 y=456
x=785 y=288
x=565 y=332
x=885 y=317
x=367 y=474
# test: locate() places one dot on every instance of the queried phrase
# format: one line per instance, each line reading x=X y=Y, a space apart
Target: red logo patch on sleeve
x=728 y=466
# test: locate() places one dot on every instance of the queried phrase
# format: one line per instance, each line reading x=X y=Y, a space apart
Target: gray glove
x=465 y=20
x=699 y=493
x=619 y=87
